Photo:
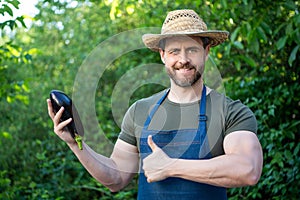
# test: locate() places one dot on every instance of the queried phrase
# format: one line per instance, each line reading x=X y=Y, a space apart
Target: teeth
x=186 y=68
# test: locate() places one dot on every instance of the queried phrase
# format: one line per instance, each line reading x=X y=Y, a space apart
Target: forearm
x=100 y=167
x=224 y=171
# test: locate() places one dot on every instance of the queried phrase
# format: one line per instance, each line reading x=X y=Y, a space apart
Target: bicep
x=246 y=144
x=126 y=157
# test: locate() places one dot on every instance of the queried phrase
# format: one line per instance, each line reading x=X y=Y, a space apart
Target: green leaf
x=15 y=3
x=288 y=155
x=224 y=4
x=289 y=28
x=237 y=64
x=9 y=99
x=254 y=45
x=238 y=44
x=266 y=27
x=262 y=34
x=293 y=55
x=297 y=19
x=281 y=42
x=281 y=26
x=6 y=135
x=11 y=24
x=249 y=61
x=21 y=20
x=271 y=110
x=8 y=10
x=234 y=34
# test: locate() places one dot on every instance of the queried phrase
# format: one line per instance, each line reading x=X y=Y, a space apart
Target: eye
x=193 y=50
x=174 y=51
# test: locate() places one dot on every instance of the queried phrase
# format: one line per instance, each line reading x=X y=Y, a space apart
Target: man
x=187 y=142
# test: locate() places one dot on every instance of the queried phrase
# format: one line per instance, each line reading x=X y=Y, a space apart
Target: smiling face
x=184 y=59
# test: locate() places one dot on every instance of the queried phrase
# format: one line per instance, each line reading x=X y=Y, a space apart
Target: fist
x=157 y=164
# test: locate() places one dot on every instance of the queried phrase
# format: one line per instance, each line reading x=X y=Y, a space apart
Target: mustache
x=186 y=66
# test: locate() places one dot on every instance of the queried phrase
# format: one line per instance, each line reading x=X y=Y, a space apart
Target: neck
x=190 y=94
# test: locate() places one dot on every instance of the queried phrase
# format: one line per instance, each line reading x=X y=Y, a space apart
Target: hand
x=59 y=126
x=156 y=165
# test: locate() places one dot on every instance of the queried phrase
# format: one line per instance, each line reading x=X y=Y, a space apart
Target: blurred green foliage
x=259 y=65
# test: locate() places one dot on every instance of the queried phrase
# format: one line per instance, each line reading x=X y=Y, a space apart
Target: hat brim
x=216 y=37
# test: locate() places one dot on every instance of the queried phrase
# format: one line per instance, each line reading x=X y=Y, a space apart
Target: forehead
x=183 y=41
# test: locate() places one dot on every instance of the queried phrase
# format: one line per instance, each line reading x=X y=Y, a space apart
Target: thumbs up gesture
x=157 y=165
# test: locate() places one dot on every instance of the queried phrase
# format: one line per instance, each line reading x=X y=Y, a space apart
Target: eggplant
x=60 y=99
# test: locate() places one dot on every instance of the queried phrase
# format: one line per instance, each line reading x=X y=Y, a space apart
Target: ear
x=207 y=49
x=162 y=55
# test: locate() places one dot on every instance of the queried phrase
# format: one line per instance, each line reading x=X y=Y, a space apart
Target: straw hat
x=184 y=22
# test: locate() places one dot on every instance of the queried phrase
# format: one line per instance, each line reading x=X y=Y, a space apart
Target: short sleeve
x=239 y=117
x=127 y=127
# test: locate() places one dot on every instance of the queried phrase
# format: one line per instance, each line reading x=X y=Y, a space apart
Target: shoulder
x=226 y=102
x=237 y=116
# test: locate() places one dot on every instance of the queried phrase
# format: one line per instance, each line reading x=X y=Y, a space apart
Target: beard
x=184 y=81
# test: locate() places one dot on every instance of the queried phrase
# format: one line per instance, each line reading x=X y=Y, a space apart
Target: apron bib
x=183 y=144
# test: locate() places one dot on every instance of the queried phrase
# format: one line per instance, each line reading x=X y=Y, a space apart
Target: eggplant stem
x=78 y=140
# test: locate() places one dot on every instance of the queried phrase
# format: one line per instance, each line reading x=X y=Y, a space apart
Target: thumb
x=151 y=143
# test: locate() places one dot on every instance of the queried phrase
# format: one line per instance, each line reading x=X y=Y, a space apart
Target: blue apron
x=183 y=144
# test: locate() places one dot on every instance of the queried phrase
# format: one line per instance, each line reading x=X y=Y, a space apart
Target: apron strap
x=158 y=103
x=202 y=116
x=204 y=148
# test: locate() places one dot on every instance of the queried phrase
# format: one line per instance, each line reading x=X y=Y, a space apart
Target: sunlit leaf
x=33 y=51
x=9 y=99
x=25 y=87
x=6 y=135
x=130 y=9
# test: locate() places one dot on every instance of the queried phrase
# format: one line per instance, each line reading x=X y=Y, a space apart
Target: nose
x=183 y=58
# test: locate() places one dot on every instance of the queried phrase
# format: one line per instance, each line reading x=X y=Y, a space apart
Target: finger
x=148 y=179
x=50 y=109
x=56 y=119
x=147 y=176
x=61 y=125
x=151 y=143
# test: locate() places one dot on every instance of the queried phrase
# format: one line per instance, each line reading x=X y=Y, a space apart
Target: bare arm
x=240 y=166
x=114 y=172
